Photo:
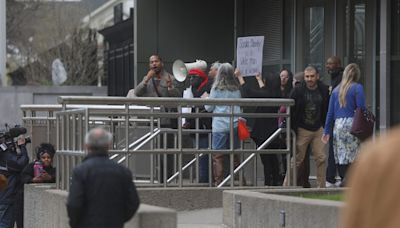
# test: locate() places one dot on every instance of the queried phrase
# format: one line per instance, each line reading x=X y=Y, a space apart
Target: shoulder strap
x=155 y=87
x=355 y=96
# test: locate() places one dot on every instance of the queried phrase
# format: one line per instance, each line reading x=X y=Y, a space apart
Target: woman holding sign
x=264 y=127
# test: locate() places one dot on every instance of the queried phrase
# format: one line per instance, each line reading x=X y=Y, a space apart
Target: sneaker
x=330 y=185
x=338 y=184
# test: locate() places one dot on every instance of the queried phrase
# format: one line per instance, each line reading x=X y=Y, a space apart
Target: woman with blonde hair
x=225 y=86
x=344 y=100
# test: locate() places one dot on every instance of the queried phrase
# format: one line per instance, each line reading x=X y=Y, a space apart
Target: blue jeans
x=221 y=141
x=6 y=215
x=203 y=160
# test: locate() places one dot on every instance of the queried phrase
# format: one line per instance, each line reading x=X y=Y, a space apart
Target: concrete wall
x=44 y=207
x=260 y=209
x=182 y=199
x=13 y=97
x=186 y=199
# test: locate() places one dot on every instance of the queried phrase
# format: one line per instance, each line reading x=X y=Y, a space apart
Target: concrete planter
x=278 y=208
x=44 y=207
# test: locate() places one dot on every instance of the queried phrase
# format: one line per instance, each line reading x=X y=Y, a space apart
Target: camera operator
x=13 y=158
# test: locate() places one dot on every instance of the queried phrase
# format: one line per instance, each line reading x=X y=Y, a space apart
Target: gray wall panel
x=264 y=18
x=184 y=29
x=147 y=31
x=13 y=97
x=192 y=29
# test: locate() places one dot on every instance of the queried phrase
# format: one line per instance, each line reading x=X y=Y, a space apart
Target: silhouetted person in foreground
x=372 y=199
x=102 y=193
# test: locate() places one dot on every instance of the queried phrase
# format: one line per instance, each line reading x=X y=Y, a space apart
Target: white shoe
x=337 y=184
x=330 y=185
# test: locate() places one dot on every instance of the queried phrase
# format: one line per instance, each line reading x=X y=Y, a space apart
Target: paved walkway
x=205 y=218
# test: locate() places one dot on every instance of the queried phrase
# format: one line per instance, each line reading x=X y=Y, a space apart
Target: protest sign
x=250 y=55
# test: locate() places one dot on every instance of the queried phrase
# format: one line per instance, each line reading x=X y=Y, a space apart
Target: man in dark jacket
x=13 y=158
x=335 y=70
x=102 y=193
x=308 y=117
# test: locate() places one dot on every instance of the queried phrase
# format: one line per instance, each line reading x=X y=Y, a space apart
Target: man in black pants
x=333 y=66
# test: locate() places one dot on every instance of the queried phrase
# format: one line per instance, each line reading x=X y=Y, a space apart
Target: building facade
x=304 y=32
x=297 y=33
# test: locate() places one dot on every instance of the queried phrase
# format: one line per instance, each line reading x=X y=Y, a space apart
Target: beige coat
x=373 y=198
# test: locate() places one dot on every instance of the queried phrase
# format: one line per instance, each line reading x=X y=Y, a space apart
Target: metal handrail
x=152 y=136
x=135 y=143
x=189 y=164
x=172 y=102
x=115 y=113
x=242 y=164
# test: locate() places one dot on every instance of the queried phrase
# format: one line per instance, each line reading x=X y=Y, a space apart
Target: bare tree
x=45 y=31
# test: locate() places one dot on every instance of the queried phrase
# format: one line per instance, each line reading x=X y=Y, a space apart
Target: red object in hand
x=243 y=130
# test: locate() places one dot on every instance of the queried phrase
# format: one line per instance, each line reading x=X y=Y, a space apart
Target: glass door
x=355 y=35
x=314 y=41
x=314 y=26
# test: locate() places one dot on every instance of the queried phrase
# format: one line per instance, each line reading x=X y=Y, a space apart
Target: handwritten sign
x=249 y=55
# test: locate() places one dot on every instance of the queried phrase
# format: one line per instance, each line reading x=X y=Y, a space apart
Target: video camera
x=7 y=136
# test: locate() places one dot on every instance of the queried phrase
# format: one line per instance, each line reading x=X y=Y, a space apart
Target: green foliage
x=324 y=196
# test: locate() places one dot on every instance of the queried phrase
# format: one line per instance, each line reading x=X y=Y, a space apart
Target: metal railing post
x=180 y=145
x=197 y=141
x=152 y=146
x=58 y=167
x=165 y=163
x=86 y=120
x=210 y=163
x=232 y=144
x=127 y=135
x=294 y=155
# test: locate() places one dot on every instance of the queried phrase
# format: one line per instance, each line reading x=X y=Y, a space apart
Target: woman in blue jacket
x=225 y=86
x=344 y=100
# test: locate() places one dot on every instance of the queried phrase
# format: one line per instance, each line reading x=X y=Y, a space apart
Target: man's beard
x=334 y=71
x=157 y=70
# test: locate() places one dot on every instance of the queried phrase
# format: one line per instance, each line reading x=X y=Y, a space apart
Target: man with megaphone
x=158 y=82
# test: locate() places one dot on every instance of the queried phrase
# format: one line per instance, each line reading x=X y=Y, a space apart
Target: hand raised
x=237 y=73
x=258 y=77
x=150 y=75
